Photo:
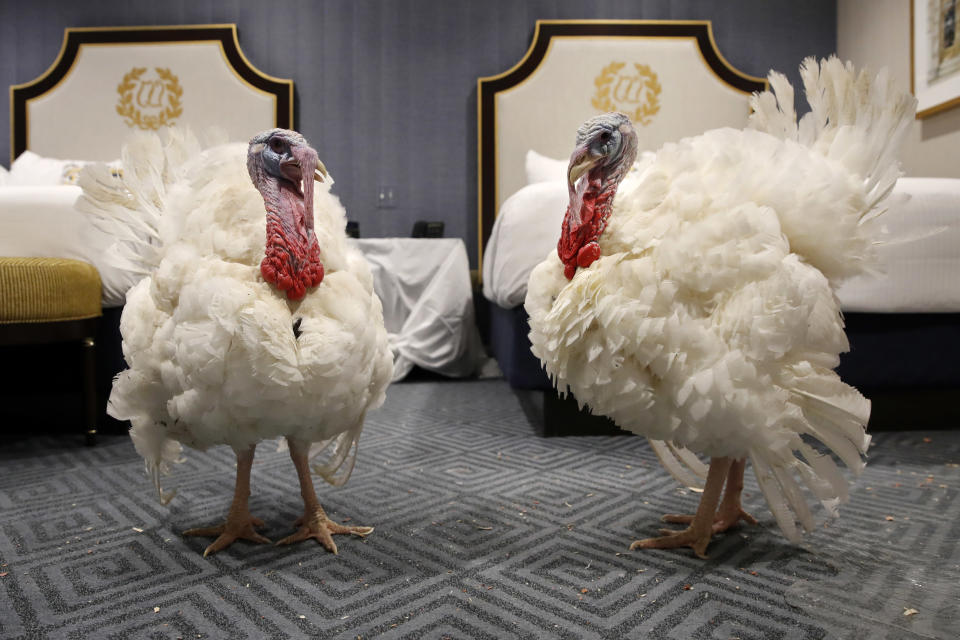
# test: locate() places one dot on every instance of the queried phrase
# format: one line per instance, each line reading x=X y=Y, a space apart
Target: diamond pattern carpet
x=483 y=530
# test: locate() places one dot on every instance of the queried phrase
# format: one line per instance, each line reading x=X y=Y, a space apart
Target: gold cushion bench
x=49 y=300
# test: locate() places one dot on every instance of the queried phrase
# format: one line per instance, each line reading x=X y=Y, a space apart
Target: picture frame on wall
x=935 y=55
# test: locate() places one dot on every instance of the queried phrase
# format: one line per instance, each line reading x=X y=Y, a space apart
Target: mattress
x=41 y=221
x=919 y=260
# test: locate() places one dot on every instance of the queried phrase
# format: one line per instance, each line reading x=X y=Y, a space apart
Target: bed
x=904 y=325
x=104 y=84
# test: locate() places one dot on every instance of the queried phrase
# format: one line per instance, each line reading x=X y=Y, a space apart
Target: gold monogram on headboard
x=150 y=101
x=634 y=91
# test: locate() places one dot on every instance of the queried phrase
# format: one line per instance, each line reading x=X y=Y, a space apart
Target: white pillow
x=4 y=175
x=525 y=232
x=540 y=168
x=32 y=170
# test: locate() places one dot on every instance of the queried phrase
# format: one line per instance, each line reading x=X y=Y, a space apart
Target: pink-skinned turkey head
x=283 y=166
x=605 y=149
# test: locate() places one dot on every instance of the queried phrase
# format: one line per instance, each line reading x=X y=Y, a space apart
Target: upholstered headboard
x=668 y=76
x=107 y=82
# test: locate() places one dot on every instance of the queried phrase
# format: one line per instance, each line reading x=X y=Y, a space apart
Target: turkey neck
x=287 y=215
x=590 y=205
x=294 y=210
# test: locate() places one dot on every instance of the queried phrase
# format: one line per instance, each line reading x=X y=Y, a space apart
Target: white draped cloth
x=424 y=284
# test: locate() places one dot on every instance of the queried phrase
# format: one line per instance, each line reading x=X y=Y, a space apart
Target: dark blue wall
x=386 y=89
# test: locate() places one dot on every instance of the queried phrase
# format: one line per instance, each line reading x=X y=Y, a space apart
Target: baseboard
x=553 y=416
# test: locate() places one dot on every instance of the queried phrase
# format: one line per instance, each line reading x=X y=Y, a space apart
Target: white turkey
x=695 y=304
x=233 y=335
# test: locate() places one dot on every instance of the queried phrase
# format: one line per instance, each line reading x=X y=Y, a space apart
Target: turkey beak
x=290 y=168
x=321 y=172
x=581 y=161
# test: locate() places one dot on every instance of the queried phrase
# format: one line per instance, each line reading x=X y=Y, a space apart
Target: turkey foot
x=240 y=524
x=235 y=528
x=721 y=522
x=697 y=535
x=314 y=523
x=694 y=538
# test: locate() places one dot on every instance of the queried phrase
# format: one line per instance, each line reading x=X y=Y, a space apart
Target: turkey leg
x=730 y=511
x=240 y=523
x=314 y=522
x=698 y=534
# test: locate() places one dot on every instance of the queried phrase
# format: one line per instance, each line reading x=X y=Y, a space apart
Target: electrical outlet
x=387 y=197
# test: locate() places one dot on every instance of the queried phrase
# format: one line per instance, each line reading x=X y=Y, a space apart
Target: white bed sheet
x=921 y=275
x=424 y=284
x=918 y=276
x=41 y=222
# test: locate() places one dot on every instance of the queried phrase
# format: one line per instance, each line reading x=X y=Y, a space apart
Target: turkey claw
x=673 y=539
x=674 y=518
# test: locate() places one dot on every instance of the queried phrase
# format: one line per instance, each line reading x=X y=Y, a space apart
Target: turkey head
x=283 y=167
x=605 y=150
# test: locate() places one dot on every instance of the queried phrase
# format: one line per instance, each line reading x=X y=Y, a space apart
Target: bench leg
x=90 y=408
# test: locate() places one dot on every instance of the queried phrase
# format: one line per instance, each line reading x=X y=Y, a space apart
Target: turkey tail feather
x=839 y=424
x=333 y=459
x=685 y=467
x=129 y=204
x=857 y=122
x=158 y=452
x=777 y=500
x=857 y=119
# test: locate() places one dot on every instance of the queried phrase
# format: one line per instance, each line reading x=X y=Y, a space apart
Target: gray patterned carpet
x=483 y=530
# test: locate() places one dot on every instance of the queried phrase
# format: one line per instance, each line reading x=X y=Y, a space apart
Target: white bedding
x=922 y=275
x=40 y=221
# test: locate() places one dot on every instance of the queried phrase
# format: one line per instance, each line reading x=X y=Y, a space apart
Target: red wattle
x=587 y=254
x=291 y=262
x=578 y=246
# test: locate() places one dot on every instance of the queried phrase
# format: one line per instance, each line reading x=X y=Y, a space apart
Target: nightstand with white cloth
x=424 y=284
